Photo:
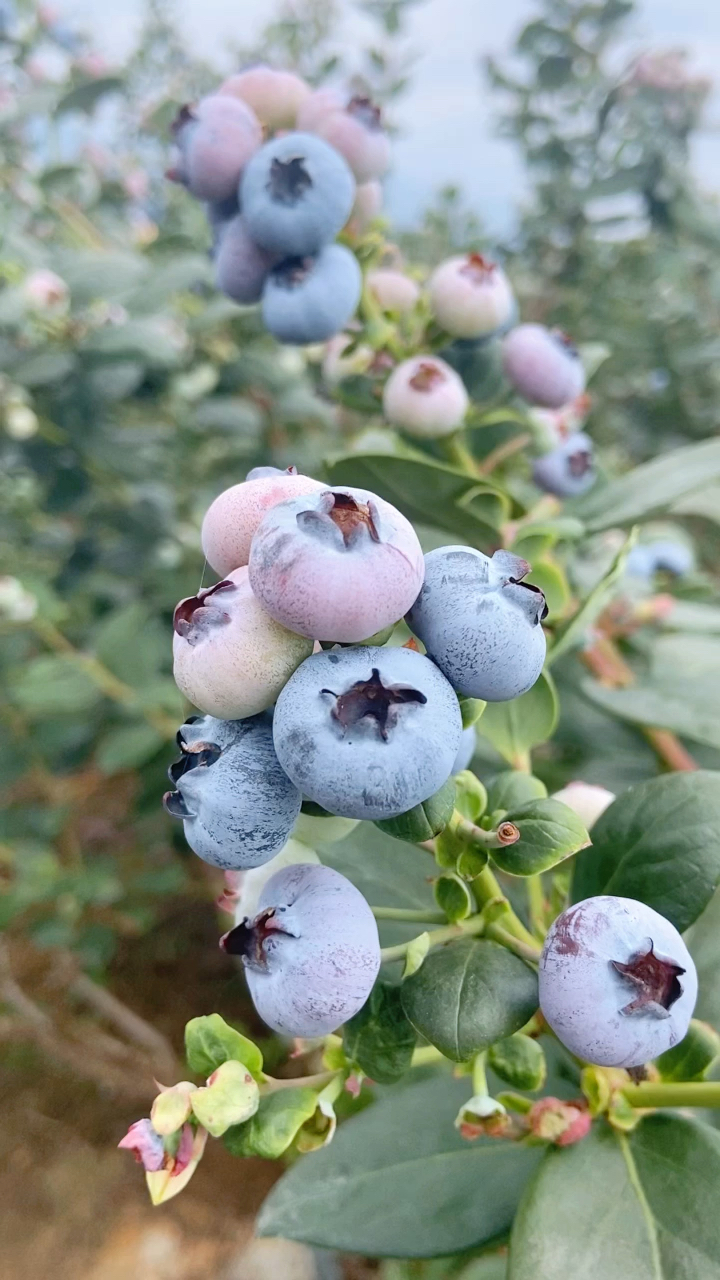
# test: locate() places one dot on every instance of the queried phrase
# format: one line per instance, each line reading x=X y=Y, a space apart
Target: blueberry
x=312 y=952
x=340 y=565
x=466 y=750
x=233 y=518
x=237 y=804
x=367 y=733
x=367 y=206
x=311 y=299
x=543 y=365
x=425 y=397
x=480 y=623
x=393 y=290
x=296 y=194
x=617 y=983
x=586 y=800
x=353 y=127
x=640 y=562
x=672 y=557
x=470 y=296
x=568 y=470
x=231 y=659
x=241 y=268
x=250 y=884
x=275 y=96
x=215 y=138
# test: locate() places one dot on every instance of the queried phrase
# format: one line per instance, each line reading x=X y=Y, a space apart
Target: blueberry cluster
x=276 y=203
x=303 y=698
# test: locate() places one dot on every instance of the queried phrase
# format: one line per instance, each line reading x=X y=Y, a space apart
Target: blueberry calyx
x=565 y=341
x=478 y=268
x=248 y=938
x=343 y=514
x=365 y=110
x=187 y=611
x=288 y=180
x=579 y=463
x=183 y=117
x=174 y=804
x=656 y=981
x=374 y=700
x=427 y=377
x=528 y=586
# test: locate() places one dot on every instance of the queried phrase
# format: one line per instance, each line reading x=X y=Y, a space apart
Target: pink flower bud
x=44 y=289
x=561 y=1123
x=146 y=1144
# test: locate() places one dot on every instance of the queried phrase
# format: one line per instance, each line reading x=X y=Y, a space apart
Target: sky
x=446 y=120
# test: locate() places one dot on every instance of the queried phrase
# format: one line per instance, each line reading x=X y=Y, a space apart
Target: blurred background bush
x=131 y=393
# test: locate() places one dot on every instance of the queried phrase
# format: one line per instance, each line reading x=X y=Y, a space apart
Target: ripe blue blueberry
x=617 y=983
x=296 y=195
x=241 y=267
x=664 y=555
x=237 y=805
x=311 y=299
x=367 y=732
x=568 y=470
x=480 y=623
x=466 y=750
x=312 y=952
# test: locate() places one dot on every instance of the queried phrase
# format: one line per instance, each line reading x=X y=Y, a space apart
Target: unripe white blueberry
x=341 y=564
x=585 y=799
x=312 y=952
x=231 y=659
x=617 y=984
x=425 y=397
x=480 y=623
x=232 y=519
x=543 y=365
x=276 y=97
x=393 y=289
x=470 y=296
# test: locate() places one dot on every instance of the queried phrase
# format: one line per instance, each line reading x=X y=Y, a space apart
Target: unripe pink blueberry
x=215 y=138
x=543 y=365
x=617 y=984
x=276 y=97
x=232 y=519
x=231 y=659
x=470 y=296
x=241 y=266
x=585 y=799
x=319 y=104
x=367 y=206
x=393 y=290
x=338 y=565
x=312 y=952
x=355 y=130
x=425 y=397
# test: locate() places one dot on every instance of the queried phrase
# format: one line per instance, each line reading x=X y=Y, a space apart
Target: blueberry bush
x=446 y=723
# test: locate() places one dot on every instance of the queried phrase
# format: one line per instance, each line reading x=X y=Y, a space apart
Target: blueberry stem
x=426 y=1055
x=464 y=928
x=457 y=452
x=699 y=1093
x=479 y=1078
x=536 y=904
x=506 y=833
x=411 y=916
x=530 y=953
x=271 y=1084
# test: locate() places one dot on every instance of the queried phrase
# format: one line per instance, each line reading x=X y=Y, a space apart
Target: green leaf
x=468 y=994
x=399 y=1180
x=127 y=747
x=549 y=832
x=703 y=941
x=651 y=487
x=659 y=843
x=511 y=789
x=230 y=1096
x=471 y=710
x=689 y=707
x=427 y=491
x=132 y=644
x=86 y=96
x=574 y=631
x=387 y=872
x=454 y=898
x=691 y=1058
x=426 y=820
x=209 y=1042
x=638 y=1207
x=471 y=796
x=50 y=685
x=275 y=1125
x=550 y=577
x=514 y=727
x=519 y=1062
x=380 y=1039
